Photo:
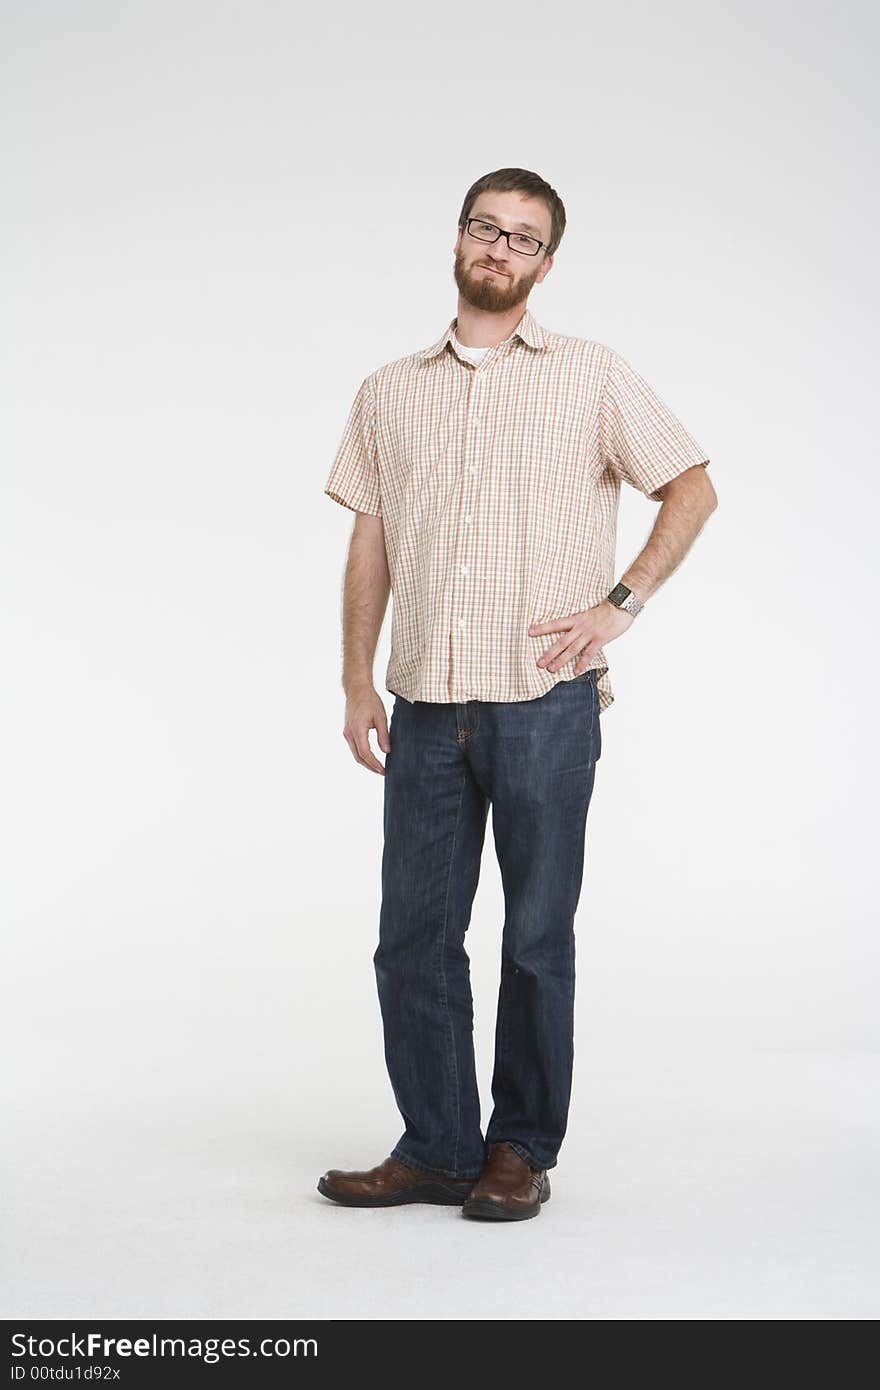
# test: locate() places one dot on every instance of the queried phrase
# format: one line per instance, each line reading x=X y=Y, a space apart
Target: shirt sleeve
x=354 y=477
x=641 y=439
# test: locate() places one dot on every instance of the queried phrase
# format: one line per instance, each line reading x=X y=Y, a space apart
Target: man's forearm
x=365 y=598
x=680 y=520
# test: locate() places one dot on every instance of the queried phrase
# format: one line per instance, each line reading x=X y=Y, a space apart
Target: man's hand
x=584 y=634
x=364 y=710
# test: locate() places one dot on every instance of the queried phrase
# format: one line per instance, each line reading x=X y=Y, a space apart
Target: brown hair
x=519 y=181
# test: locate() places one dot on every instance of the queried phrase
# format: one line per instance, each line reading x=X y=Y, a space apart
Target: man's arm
x=366 y=588
x=687 y=502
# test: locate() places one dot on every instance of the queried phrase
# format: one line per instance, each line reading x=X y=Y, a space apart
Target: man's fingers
x=568 y=653
x=367 y=756
x=359 y=743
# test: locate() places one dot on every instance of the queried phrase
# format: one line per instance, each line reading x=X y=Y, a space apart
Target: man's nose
x=497 y=251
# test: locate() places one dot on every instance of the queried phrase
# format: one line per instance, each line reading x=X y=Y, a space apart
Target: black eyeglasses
x=517 y=241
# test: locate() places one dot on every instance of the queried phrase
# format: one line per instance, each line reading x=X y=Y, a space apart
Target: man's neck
x=480 y=328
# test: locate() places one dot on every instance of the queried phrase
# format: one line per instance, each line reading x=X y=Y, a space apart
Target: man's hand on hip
x=583 y=635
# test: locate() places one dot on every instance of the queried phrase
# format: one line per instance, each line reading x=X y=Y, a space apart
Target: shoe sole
x=496 y=1211
x=434 y=1193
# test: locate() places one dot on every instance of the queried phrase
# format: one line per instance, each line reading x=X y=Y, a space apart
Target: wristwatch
x=624 y=598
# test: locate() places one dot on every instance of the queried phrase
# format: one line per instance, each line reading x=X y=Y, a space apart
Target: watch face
x=619 y=594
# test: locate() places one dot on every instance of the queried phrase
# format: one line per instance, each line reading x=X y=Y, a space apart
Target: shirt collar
x=528 y=329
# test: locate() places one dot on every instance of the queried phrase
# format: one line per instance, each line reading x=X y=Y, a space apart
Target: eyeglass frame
x=542 y=245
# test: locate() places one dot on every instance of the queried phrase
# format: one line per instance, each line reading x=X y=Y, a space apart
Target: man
x=485 y=472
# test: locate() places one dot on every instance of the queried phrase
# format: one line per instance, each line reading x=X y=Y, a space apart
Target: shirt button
x=467 y=521
x=461 y=622
x=464 y=569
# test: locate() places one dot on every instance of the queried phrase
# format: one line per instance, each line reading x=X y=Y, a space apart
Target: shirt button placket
x=472 y=444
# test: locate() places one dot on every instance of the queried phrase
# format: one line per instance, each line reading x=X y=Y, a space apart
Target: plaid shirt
x=498 y=486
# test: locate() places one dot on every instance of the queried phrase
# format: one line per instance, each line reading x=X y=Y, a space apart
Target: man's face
x=491 y=276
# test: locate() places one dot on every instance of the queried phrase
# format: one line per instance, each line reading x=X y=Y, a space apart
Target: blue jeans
x=535 y=761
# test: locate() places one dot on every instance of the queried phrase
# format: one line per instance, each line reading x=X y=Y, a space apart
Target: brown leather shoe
x=390 y=1184
x=509 y=1189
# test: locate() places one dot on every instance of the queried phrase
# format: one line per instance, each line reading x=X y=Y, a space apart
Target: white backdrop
x=217 y=221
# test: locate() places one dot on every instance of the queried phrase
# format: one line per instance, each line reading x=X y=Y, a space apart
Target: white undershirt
x=473 y=354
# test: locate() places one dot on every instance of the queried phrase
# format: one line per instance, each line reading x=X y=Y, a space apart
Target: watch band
x=624 y=598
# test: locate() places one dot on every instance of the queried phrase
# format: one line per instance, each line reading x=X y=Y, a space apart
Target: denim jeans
x=534 y=761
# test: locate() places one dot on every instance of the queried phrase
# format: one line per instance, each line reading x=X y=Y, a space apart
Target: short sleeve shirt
x=498 y=484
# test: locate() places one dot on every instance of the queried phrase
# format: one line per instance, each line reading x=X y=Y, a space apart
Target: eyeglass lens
x=487 y=231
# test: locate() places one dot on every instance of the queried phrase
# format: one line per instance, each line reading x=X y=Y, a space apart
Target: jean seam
x=593 y=703
x=444 y=997
x=502 y=1030
x=593 y=729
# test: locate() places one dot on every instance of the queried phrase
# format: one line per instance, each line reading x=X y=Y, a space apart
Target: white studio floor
x=688 y=1188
